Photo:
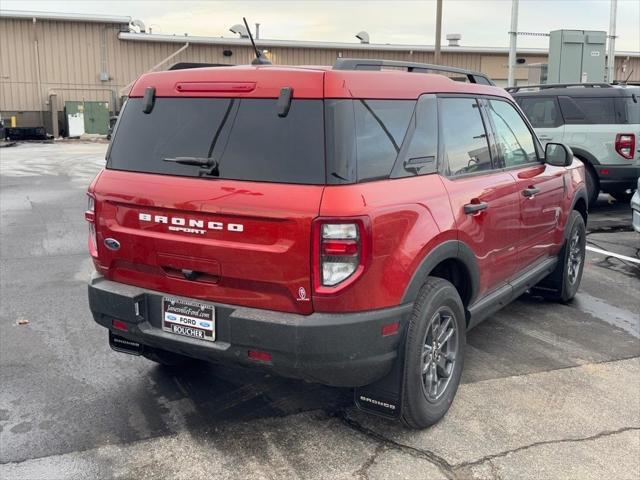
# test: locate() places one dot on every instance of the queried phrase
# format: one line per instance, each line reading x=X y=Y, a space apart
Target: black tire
x=163 y=357
x=621 y=196
x=438 y=299
x=593 y=185
x=563 y=283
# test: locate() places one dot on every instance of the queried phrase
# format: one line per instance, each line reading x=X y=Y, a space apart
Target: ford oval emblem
x=111 y=243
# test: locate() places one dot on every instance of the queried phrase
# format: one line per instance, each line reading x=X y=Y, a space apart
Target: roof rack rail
x=374 y=64
x=546 y=86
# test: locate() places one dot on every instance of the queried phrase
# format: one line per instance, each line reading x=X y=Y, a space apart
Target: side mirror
x=558 y=155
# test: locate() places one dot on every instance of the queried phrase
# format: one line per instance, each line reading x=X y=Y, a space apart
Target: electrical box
x=537 y=73
x=577 y=56
x=86 y=117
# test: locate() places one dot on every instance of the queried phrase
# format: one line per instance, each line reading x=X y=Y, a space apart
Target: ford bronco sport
x=342 y=225
x=600 y=123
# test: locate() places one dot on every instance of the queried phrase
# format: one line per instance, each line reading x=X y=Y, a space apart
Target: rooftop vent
x=454 y=39
x=137 y=24
x=239 y=29
x=363 y=37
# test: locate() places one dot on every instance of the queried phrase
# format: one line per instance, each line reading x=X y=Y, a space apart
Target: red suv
x=341 y=225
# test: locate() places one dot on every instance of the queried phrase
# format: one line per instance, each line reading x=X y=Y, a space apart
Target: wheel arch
x=585 y=156
x=580 y=203
x=452 y=260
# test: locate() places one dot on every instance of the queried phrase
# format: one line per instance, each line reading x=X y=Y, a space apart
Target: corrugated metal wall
x=65 y=57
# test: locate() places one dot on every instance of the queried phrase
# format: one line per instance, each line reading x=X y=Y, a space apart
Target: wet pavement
x=549 y=391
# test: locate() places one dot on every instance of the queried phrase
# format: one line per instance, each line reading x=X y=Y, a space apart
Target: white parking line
x=611 y=254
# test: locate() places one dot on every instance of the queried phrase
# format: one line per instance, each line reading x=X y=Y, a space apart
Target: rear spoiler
x=186 y=65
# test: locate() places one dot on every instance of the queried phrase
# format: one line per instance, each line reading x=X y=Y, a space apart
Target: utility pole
x=513 y=36
x=611 y=55
x=436 y=53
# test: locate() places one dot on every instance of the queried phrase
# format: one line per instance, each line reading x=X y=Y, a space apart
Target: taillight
x=90 y=216
x=340 y=250
x=626 y=145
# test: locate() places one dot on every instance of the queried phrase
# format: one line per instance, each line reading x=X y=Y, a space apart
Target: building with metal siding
x=47 y=59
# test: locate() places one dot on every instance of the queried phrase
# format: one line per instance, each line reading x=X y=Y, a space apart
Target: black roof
x=574 y=90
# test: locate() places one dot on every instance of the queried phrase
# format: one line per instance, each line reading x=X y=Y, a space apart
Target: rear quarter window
x=365 y=138
x=588 y=110
x=380 y=129
x=628 y=110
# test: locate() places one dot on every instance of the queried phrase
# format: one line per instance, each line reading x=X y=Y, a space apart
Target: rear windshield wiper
x=197 y=161
x=208 y=165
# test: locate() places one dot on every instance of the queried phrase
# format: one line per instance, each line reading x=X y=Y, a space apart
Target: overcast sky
x=481 y=23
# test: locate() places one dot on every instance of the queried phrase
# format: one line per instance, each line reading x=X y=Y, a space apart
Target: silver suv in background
x=601 y=124
x=635 y=208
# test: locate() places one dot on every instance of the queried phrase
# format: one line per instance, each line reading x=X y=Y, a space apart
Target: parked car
x=635 y=208
x=601 y=124
x=342 y=225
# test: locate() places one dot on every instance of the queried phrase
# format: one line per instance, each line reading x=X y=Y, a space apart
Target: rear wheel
x=166 y=358
x=593 y=185
x=564 y=281
x=434 y=354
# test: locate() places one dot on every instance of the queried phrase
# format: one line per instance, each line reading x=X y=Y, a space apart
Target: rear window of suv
x=245 y=136
x=589 y=110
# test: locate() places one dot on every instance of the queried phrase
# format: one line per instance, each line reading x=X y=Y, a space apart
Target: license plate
x=189 y=318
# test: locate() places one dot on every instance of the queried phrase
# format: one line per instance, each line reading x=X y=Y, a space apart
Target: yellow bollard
x=13 y=122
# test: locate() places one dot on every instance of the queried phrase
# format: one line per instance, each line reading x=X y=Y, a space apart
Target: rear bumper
x=345 y=350
x=618 y=177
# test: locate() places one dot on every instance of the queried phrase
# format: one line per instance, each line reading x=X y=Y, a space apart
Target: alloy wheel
x=439 y=352
x=575 y=257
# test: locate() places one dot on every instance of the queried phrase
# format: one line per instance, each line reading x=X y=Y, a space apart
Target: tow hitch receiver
x=121 y=344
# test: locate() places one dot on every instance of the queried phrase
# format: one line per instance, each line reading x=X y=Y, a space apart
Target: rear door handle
x=545 y=138
x=530 y=192
x=471 y=208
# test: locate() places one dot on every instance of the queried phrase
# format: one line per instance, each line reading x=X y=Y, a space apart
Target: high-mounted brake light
x=340 y=251
x=216 y=87
x=626 y=145
x=90 y=216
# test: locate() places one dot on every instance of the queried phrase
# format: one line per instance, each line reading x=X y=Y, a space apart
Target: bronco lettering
x=179 y=224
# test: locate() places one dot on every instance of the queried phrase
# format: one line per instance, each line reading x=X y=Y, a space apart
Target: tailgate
x=229 y=241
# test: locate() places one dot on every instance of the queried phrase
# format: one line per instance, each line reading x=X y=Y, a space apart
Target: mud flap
x=384 y=397
x=123 y=345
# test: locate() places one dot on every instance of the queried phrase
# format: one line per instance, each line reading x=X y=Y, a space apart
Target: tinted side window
x=420 y=148
x=380 y=129
x=627 y=110
x=464 y=138
x=589 y=110
x=542 y=112
x=513 y=137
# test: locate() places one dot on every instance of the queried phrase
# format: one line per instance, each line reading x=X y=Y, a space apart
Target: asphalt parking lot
x=549 y=391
